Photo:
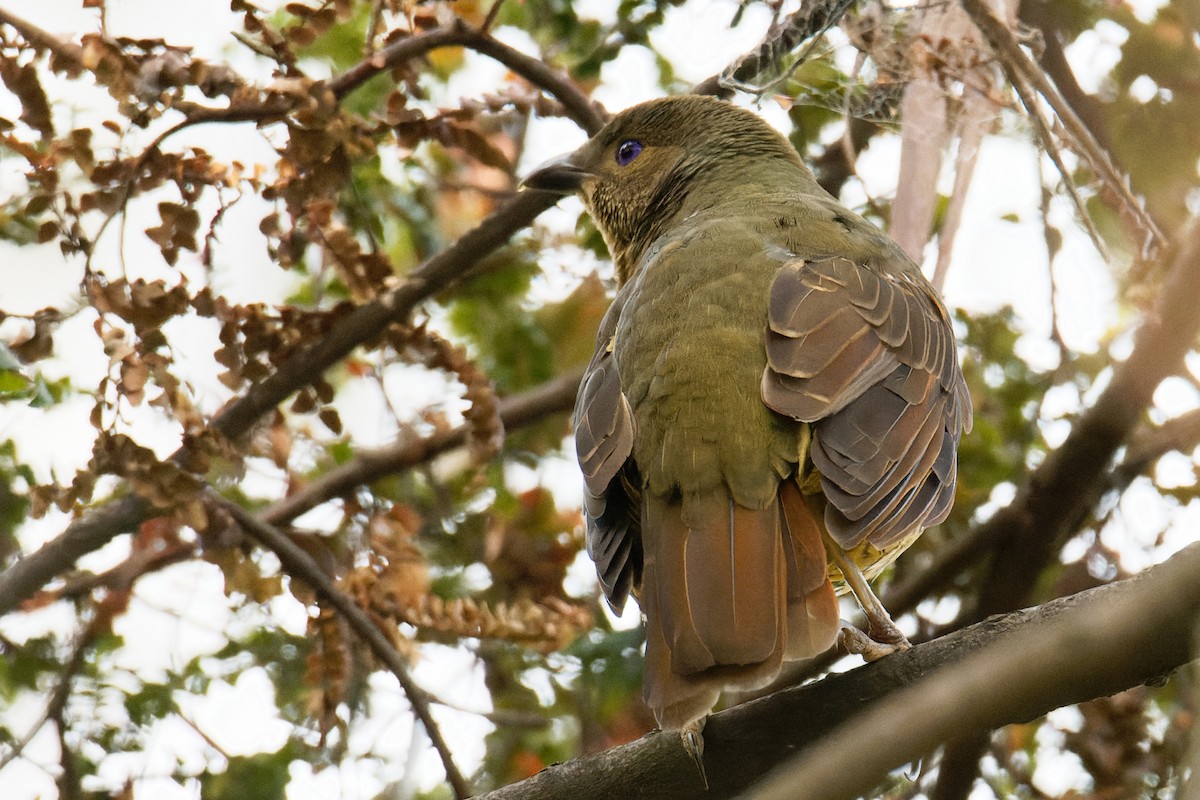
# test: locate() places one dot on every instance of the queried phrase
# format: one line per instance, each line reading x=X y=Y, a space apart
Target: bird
x=773 y=409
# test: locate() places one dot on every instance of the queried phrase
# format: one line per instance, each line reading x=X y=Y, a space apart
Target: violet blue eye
x=627 y=151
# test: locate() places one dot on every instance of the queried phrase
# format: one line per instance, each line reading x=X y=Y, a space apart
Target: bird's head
x=658 y=161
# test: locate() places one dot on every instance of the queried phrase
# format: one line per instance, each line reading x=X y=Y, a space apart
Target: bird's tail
x=729 y=593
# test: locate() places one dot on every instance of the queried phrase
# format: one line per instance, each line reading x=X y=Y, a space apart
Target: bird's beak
x=560 y=175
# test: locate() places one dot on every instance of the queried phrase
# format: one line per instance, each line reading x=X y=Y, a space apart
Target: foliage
x=201 y=274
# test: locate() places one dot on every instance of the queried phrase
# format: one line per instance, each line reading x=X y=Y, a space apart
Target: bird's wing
x=603 y=426
x=868 y=357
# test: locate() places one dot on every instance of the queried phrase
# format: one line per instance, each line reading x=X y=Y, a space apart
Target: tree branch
x=300 y=565
x=96 y=529
x=580 y=108
x=43 y=40
x=1067 y=651
x=556 y=395
x=1103 y=640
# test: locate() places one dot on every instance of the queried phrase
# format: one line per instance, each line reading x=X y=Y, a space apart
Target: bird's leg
x=882 y=637
x=692 y=737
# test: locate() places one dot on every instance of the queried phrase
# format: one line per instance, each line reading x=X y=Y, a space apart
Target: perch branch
x=1105 y=640
x=1134 y=631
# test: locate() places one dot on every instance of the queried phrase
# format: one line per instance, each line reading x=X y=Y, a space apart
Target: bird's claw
x=871 y=648
x=693 y=742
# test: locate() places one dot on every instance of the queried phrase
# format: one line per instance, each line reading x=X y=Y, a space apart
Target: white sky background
x=182 y=612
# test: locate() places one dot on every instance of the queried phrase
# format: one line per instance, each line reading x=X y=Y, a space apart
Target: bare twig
x=371 y=465
x=1049 y=143
x=1021 y=69
x=300 y=564
x=58 y=698
x=579 y=106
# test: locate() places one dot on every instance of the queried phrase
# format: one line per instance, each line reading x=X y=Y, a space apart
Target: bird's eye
x=627 y=151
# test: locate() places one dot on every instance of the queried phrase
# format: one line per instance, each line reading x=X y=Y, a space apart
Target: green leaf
x=263 y=776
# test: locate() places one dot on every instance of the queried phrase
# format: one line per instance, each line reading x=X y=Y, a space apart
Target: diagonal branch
x=99 y=527
x=1117 y=636
x=1021 y=68
x=300 y=564
x=1105 y=640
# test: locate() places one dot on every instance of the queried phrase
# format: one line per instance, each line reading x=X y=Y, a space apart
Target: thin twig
x=1049 y=142
x=1052 y=248
x=299 y=564
x=578 y=105
x=553 y=396
x=58 y=698
x=492 y=13
x=1020 y=68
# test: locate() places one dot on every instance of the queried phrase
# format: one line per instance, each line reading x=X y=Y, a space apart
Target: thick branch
x=1089 y=645
x=1104 y=640
x=515 y=412
x=95 y=530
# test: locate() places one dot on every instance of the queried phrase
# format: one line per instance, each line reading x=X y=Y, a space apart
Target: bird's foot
x=883 y=630
x=693 y=742
x=872 y=648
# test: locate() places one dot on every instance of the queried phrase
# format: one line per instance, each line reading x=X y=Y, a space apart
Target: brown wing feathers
x=603 y=427
x=868 y=359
